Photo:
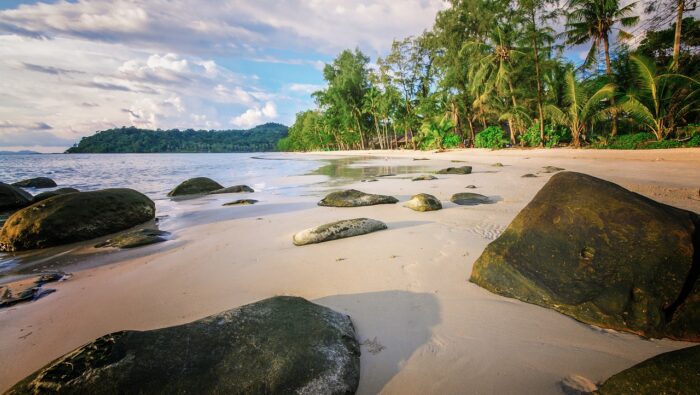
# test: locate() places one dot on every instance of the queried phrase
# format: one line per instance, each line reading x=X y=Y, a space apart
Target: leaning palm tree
x=659 y=102
x=595 y=21
x=582 y=109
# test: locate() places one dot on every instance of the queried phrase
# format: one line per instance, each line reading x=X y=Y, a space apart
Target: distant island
x=135 y=140
x=22 y=152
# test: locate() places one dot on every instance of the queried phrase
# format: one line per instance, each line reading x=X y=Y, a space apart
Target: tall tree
x=595 y=21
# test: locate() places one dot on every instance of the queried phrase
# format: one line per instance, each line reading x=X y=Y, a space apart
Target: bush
x=451 y=141
x=630 y=141
x=492 y=137
x=553 y=135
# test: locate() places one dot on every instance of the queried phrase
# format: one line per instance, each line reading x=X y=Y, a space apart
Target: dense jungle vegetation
x=500 y=73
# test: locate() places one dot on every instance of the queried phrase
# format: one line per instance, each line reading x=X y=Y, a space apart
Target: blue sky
x=71 y=68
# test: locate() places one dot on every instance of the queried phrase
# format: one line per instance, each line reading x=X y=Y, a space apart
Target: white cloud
x=305 y=88
x=255 y=116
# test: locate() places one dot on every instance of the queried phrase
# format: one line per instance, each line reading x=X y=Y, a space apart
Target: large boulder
x=603 y=255
x=675 y=372
x=281 y=345
x=45 y=195
x=456 y=170
x=424 y=202
x=196 y=186
x=355 y=198
x=74 y=217
x=12 y=197
x=338 y=230
x=233 y=189
x=38 y=182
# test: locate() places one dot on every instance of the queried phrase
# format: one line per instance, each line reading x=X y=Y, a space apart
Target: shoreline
x=405 y=288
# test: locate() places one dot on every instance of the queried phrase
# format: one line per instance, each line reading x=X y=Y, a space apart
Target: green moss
x=196 y=186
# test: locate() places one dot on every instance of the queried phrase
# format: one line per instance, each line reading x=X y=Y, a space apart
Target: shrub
x=630 y=141
x=451 y=141
x=553 y=135
x=492 y=137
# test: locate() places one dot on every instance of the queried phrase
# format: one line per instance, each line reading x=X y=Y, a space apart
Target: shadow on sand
x=392 y=325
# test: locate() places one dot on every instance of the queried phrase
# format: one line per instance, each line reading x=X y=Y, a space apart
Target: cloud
x=256 y=116
x=49 y=69
x=305 y=88
x=29 y=134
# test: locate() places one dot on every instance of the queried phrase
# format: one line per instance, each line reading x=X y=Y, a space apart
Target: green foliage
x=492 y=137
x=433 y=133
x=451 y=141
x=133 y=140
x=554 y=135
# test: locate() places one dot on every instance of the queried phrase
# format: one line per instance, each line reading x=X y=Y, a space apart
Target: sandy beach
x=425 y=329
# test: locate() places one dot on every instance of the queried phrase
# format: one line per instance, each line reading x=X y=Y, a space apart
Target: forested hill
x=134 y=140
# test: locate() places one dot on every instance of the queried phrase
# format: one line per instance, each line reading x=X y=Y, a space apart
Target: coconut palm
x=582 y=110
x=595 y=21
x=659 y=101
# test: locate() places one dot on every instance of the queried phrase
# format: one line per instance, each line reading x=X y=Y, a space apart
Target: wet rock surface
x=355 y=198
x=423 y=202
x=38 y=182
x=196 y=186
x=456 y=170
x=338 y=230
x=469 y=199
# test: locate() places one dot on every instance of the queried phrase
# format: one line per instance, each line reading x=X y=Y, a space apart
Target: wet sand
x=425 y=328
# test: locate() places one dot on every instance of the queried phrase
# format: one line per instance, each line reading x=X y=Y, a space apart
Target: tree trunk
x=540 y=108
x=471 y=132
x=677 y=36
x=515 y=104
x=608 y=70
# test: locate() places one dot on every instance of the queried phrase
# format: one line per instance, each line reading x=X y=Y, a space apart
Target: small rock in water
x=338 y=230
x=469 y=199
x=355 y=198
x=497 y=164
x=456 y=170
x=135 y=239
x=196 y=186
x=241 y=202
x=424 y=178
x=38 y=182
x=233 y=189
x=551 y=169
x=529 y=175
x=423 y=202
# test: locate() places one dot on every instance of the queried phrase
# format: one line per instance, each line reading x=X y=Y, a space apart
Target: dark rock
x=471 y=187
x=421 y=158
x=355 y=198
x=456 y=170
x=26 y=290
x=45 y=195
x=551 y=169
x=424 y=202
x=12 y=197
x=74 y=217
x=241 y=202
x=424 y=178
x=529 y=175
x=603 y=255
x=675 y=372
x=234 y=189
x=281 y=345
x=497 y=164
x=370 y=180
x=137 y=238
x=38 y=182
x=196 y=186
x=338 y=230
x=469 y=199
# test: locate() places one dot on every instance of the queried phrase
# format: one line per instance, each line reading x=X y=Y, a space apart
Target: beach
x=424 y=328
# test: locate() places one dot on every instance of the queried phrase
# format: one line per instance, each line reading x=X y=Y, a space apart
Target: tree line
x=135 y=140
x=493 y=73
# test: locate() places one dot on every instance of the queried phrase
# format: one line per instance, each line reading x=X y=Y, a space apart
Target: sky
x=70 y=68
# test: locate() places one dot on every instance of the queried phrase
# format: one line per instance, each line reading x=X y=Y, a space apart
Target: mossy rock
x=38 y=182
x=45 y=195
x=424 y=178
x=137 y=238
x=75 y=217
x=241 y=202
x=603 y=255
x=552 y=169
x=355 y=198
x=196 y=186
x=338 y=230
x=424 y=202
x=469 y=199
x=281 y=345
x=675 y=372
x=234 y=189
x=529 y=175
x=12 y=197
x=456 y=170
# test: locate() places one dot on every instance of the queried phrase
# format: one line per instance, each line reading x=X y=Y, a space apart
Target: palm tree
x=594 y=21
x=582 y=109
x=660 y=102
